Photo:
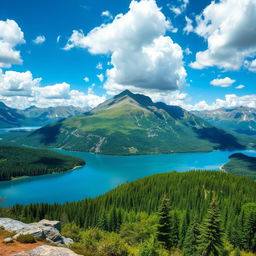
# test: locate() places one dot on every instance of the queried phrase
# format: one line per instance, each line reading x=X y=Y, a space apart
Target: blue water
x=103 y=173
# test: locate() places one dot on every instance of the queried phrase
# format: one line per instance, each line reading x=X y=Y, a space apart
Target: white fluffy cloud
x=222 y=82
x=251 y=65
x=21 y=90
x=179 y=9
x=189 y=25
x=101 y=77
x=141 y=55
x=230 y=101
x=229 y=27
x=241 y=86
x=41 y=39
x=107 y=14
x=86 y=79
x=17 y=84
x=10 y=36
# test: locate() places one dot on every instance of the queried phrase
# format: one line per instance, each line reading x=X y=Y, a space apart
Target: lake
x=103 y=173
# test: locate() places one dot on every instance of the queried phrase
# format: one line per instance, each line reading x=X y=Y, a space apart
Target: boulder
x=47 y=250
x=8 y=240
x=49 y=230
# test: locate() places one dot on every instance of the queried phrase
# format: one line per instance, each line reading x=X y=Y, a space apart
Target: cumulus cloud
x=18 y=83
x=222 y=82
x=10 y=36
x=107 y=14
x=41 y=40
x=99 y=66
x=21 y=90
x=189 y=25
x=187 y=51
x=251 y=65
x=57 y=91
x=141 y=55
x=229 y=26
x=86 y=79
x=179 y=9
x=230 y=101
x=101 y=77
x=241 y=86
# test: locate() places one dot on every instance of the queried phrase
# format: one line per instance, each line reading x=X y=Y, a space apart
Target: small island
x=241 y=164
x=20 y=162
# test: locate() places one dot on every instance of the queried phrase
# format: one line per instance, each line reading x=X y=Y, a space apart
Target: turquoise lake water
x=103 y=173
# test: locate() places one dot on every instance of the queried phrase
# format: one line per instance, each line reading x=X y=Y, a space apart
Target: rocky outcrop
x=49 y=230
x=46 y=250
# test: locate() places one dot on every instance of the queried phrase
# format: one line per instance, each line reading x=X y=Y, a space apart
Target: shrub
x=26 y=239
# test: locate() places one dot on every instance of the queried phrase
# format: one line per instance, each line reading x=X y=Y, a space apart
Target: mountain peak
x=140 y=98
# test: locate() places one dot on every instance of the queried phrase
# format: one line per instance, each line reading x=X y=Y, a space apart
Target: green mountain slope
x=132 y=124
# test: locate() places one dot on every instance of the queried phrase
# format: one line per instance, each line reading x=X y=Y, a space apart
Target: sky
x=195 y=54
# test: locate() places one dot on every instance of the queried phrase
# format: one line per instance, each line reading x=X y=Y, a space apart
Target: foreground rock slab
x=49 y=230
x=47 y=250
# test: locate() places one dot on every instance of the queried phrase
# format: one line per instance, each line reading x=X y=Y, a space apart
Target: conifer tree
x=211 y=240
x=191 y=242
x=174 y=232
x=164 y=224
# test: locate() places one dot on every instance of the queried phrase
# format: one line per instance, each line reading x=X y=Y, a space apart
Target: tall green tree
x=164 y=224
x=211 y=240
x=174 y=232
x=192 y=238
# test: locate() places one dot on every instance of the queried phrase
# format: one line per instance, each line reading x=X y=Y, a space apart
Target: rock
x=45 y=229
x=52 y=223
x=8 y=240
x=46 y=250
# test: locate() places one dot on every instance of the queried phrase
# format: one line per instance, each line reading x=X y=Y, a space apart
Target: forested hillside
x=19 y=161
x=132 y=212
x=241 y=164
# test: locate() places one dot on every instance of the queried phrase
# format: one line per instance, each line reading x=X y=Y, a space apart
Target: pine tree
x=164 y=225
x=174 y=232
x=191 y=242
x=211 y=242
x=184 y=228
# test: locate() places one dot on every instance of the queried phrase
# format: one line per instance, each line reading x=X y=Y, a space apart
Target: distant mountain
x=10 y=117
x=132 y=124
x=240 y=119
x=34 y=116
x=45 y=116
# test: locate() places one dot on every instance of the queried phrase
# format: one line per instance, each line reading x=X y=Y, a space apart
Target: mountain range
x=132 y=124
x=10 y=117
x=240 y=119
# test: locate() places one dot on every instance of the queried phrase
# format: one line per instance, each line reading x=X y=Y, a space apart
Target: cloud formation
x=21 y=90
x=229 y=27
x=141 y=55
x=10 y=36
x=41 y=39
x=222 y=82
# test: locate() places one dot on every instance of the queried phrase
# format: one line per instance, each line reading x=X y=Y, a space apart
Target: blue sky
x=200 y=87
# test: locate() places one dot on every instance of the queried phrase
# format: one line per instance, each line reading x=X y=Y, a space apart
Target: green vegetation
x=241 y=164
x=17 y=162
x=132 y=124
x=193 y=213
x=26 y=239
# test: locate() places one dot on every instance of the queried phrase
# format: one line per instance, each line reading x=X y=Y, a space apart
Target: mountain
x=9 y=117
x=132 y=124
x=45 y=116
x=34 y=116
x=241 y=119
